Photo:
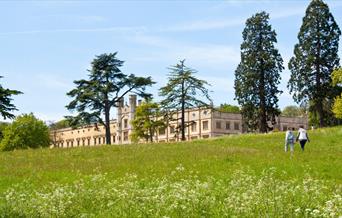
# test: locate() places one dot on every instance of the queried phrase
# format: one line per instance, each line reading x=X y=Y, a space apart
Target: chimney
x=133 y=102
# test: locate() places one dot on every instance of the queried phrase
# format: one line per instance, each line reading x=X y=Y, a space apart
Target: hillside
x=241 y=174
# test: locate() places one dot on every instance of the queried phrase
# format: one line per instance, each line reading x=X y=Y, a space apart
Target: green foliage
x=228 y=108
x=293 y=111
x=64 y=123
x=3 y=126
x=337 y=81
x=337 y=107
x=147 y=120
x=315 y=57
x=336 y=77
x=183 y=91
x=258 y=75
x=6 y=107
x=106 y=86
x=26 y=131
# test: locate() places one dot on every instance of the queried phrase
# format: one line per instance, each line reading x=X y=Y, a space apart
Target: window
x=194 y=127
x=218 y=124
x=193 y=115
x=236 y=126
x=99 y=141
x=113 y=138
x=125 y=123
x=83 y=142
x=162 y=131
x=205 y=112
x=172 y=129
x=125 y=136
x=227 y=125
x=89 y=141
x=67 y=144
x=284 y=128
x=72 y=143
x=94 y=141
x=78 y=142
x=205 y=125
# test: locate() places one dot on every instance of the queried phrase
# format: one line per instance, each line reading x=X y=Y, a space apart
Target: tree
x=182 y=92
x=315 y=57
x=26 y=131
x=3 y=126
x=106 y=86
x=55 y=126
x=61 y=124
x=146 y=122
x=293 y=111
x=258 y=74
x=5 y=102
x=337 y=81
x=228 y=108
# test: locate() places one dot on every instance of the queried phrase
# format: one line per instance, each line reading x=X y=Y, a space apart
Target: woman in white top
x=302 y=137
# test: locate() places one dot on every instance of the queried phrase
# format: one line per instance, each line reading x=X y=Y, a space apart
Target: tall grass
x=233 y=176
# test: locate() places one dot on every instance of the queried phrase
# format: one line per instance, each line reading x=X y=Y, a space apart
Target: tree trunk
x=107 y=122
x=262 y=119
x=262 y=109
x=319 y=100
x=151 y=134
x=183 y=112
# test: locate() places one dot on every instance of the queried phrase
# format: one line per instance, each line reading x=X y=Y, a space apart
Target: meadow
x=232 y=176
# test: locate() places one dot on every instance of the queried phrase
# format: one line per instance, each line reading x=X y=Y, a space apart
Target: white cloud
x=205 y=54
x=204 y=25
x=118 y=29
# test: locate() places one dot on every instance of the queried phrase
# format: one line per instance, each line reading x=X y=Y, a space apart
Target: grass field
x=233 y=176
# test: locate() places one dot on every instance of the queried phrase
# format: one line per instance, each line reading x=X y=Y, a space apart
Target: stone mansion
x=205 y=123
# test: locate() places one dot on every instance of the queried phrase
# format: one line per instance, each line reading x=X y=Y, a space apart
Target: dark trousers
x=302 y=143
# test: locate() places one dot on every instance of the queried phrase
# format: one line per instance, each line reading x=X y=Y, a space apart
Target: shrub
x=26 y=131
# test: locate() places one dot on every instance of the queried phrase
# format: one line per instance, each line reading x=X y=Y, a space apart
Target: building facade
x=201 y=123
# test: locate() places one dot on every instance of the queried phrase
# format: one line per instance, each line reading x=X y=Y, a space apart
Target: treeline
x=315 y=82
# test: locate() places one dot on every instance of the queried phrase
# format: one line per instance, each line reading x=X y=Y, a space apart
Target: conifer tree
x=315 y=57
x=258 y=75
x=107 y=85
x=182 y=92
x=6 y=106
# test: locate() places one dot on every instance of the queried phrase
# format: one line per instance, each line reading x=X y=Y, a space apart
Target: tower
x=119 y=120
x=132 y=108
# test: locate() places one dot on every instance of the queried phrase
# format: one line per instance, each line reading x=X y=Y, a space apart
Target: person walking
x=289 y=139
x=302 y=137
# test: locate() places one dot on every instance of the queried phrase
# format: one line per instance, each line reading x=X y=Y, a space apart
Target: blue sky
x=45 y=46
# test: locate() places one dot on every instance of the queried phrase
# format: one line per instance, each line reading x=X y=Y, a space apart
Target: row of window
x=205 y=126
x=228 y=127
x=96 y=141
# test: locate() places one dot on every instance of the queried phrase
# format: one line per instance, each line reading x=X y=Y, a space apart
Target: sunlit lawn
x=243 y=175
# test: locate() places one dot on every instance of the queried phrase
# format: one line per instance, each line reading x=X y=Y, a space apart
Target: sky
x=46 y=45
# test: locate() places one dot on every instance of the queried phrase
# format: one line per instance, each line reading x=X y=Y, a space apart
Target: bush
x=26 y=131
